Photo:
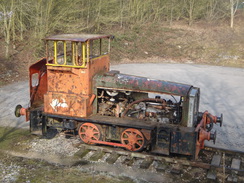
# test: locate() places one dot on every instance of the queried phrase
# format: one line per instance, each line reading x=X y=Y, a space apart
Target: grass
x=54 y=173
x=39 y=171
x=10 y=138
x=213 y=45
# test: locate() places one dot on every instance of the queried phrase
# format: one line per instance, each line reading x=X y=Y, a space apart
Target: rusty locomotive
x=73 y=90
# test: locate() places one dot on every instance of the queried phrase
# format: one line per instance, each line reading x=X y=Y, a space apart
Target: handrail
x=80 y=54
x=84 y=65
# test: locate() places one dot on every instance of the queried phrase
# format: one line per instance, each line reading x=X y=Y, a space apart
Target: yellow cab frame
x=76 y=49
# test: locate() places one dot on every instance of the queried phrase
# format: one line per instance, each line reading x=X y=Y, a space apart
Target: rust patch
x=146 y=133
x=134 y=83
x=70 y=89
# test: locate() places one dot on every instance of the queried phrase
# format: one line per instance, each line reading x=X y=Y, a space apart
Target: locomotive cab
x=72 y=61
x=75 y=50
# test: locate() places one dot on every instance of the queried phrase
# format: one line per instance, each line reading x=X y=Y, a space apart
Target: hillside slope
x=201 y=43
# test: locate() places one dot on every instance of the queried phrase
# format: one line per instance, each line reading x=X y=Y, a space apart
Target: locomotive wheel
x=134 y=138
x=88 y=132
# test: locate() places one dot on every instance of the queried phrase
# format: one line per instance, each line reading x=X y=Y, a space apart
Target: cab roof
x=77 y=37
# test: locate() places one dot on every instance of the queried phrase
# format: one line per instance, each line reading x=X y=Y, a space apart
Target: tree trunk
x=231 y=13
x=7 y=23
x=233 y=8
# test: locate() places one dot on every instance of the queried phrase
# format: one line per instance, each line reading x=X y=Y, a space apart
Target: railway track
x=226 y=162
x=217 y=165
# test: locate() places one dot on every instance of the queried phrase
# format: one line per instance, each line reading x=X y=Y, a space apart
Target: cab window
x=75 y=53
x=99 y=47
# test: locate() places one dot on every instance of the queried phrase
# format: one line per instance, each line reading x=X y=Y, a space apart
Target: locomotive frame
x=72 y=89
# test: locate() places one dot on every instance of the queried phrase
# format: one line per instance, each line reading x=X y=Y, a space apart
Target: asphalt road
x=221 y=92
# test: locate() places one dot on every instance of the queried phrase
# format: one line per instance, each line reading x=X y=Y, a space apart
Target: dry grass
x=201 y=43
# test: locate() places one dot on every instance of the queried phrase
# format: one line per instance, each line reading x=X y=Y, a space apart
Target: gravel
x=9 y=173
x=57 y=146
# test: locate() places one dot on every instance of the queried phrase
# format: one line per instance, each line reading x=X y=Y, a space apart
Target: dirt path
x=221 y=92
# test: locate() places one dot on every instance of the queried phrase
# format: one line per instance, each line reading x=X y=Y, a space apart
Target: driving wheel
x=89 y=132
x=133 y=138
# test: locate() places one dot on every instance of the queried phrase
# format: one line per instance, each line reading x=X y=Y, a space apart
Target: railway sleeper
x=227 y=168
x=212 y=172
x=145 y=164
x=235 y=165
x=112 y=158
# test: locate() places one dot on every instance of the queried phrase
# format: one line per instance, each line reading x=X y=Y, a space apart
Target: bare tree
x=190 y=10
x=6 y=18
x=233 y=8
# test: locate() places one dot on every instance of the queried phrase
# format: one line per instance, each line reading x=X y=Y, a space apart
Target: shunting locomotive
x=72 y=89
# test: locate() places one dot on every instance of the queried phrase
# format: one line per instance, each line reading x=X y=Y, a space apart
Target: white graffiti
x=56 y=103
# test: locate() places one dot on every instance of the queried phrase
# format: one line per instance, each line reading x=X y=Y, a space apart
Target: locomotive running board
x=98 y=119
